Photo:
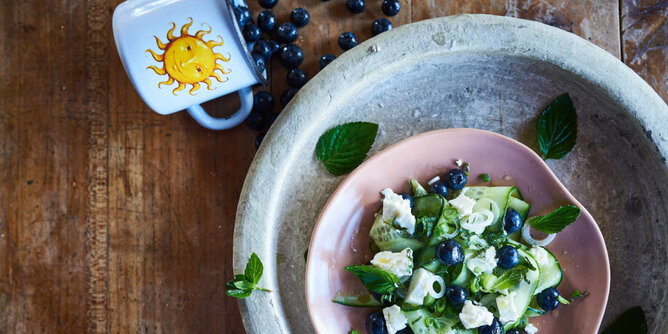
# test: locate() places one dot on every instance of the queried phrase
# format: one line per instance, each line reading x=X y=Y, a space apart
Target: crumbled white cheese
x=540 y=254
x=473 y=316
x=421 y=283
x=507 y=310
x=484 y=262
x=398 y=209
x=436 y=178
x=400 y=263
x=463 y=204
x=395 y=320
x=530 y=329
x=478 y=221
x=458 y=162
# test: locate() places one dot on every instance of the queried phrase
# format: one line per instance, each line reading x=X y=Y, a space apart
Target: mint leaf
x=238 y=293
x=343 y=147
x=577 y=294
x=374 y=279
x=354 y=331
x=254 y=269
x=484 y=177
x=556 y=128
x=556 y=220
x=508 y=280
x=631 y=321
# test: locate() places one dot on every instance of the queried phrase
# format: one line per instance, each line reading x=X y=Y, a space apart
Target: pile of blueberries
x=278 y=42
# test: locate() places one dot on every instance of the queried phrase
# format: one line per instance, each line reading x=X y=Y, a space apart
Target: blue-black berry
x=256 y=120
x=273 y=46
x=251 y=32
x=455 y=294
x=259 y=138
x=300 y=17
x=375 y=323
x=381 y=25
x=494 y=328
x=455 y=179
x=287 y=95
x=438 y=188
x=266 y=21
x=268 y=4
x=296 y=78
x=390 y=7
x=262 y=48
x=450 y=252
x=243 y=15
x=347 y=40
x=291 y=56
x=287 y=33
x=263 y=102
x=325 y=60
x=547 y=299
x=508 y=257
x=355 y=6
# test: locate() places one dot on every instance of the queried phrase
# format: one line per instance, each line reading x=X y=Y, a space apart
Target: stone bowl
x=474 y=71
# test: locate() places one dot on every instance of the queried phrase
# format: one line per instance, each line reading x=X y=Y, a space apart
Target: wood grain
x=116 y=219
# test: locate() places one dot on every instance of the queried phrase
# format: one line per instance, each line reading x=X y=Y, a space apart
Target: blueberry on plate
x=291 y=56
x=260 y=62
x=347 y=40
x=273 y=46
x=455 y=294
x=390 y=7
x=325 y=60
x=408 y=197
x=287 y=33
x=386 y=299
x=262 y=48
x=287 y=95
x=355 y=6
x=268 y=4
x=263 y=102
x=381 y=25
x=259 y=138
x=450 y=252
x=494 y=328
x=375 y=323
x=547 y=299
x=243 y=15
x=256 y=120
x=266 y=21
x=300 y=17
x=508 y=257
x=251 y=32
x=512 y=221
x=438 y=187
x=514 y=331
x=296 y=78
x=455 y=179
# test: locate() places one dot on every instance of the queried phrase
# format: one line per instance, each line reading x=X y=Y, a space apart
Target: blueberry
x=291 y=56
x=450 y=252
x=256 y=120
x=455 y=294
x=375 y=323
x=380 y=25
x=408 y=197
x=262 y=48
x=263 y=102
x=243 y=15
x=438 y=188
x=325 y=60
x=347 y=40
x=512 y=221
x=287 y=33
x=266 y=21
x=514 y=331
x=455 y=179
x=386 y=300
x=300 y=17
x=355 y=6
x=547 y=299
x=508 y=257
x=251 y=32
x=494 y=328
x=390 y=7
x=273 y=46
x=272 y=119
x=287 y=95
x=260 y=62
x=259 y=138
x=296 y=78
x=268 y=4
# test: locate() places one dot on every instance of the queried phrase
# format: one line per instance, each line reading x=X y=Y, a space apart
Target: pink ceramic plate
x=341 y=235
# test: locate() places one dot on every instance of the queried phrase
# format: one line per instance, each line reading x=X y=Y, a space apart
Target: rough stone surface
x=476 y=71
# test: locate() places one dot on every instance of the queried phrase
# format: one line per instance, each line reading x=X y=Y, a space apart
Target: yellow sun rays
x=188 y=59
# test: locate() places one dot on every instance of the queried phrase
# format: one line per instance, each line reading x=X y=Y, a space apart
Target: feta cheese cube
x=484 y=262
x=398 y=209
x=507 y=310
x=421 y=285
x=530 y=329
x=463 y=204
x=400 y=264
x=474 y=316
x=395 y=320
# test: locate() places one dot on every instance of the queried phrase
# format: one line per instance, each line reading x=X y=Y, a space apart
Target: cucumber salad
x=458 y=259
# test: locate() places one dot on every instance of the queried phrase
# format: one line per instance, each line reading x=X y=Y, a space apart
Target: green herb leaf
x=254 y=269
x=343 y=147
x=354 y=331
x=508 y=280
x=243 y=285
x=631 y=321
x=374 y=279
x=556 y=220
x=577 y=294
x=238 y=293
x=557 y=128
x=484 y=177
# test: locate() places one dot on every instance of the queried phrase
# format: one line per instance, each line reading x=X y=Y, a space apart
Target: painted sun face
x=189 y=59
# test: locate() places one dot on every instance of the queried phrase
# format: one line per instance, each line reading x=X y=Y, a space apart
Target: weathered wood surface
x=116 y=219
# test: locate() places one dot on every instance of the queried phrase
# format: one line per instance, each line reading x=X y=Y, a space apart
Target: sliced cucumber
x=524 y=291
x=389 y=238
x=364 y=300
x=550 y=270
x=416 y=188
x=446 y=226
x=417 y=324
x=500 y=196
x=534 y=310
x=428 y=206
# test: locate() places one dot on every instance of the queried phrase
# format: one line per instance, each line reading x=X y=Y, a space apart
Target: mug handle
x=204 y=119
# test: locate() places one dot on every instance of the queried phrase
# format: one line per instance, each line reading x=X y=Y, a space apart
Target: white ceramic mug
x=181 y=53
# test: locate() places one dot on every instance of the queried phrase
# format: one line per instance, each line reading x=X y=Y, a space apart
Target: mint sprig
x=374 y=279
x=556 y=128
x=243 y=285
x=343 y=147
x=556 y=220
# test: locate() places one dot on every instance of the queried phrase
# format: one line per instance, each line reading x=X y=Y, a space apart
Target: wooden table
x=116 y=219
